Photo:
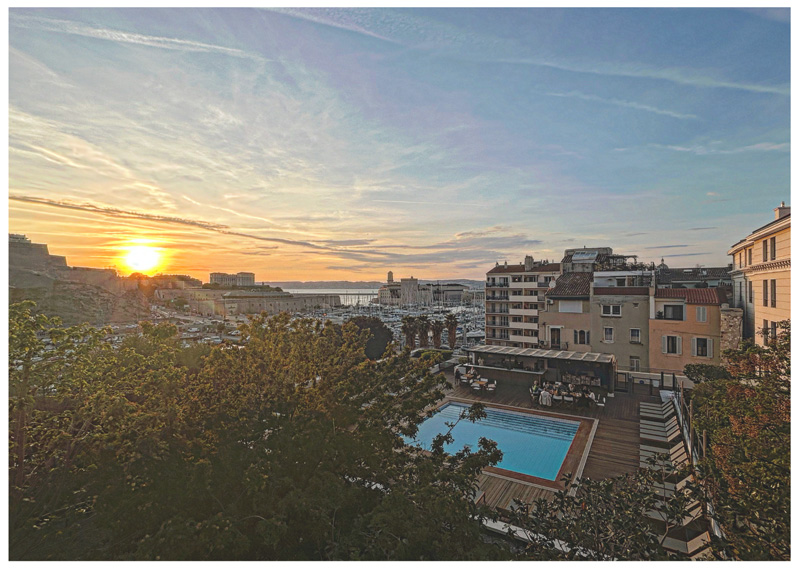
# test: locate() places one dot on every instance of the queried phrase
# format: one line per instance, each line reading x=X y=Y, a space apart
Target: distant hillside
x=362 y=285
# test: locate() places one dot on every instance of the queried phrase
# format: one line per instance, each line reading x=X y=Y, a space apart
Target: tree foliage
x=451 y=323
x=286 y=448
x=746 y=415
x=602 y=519
x=380 y=335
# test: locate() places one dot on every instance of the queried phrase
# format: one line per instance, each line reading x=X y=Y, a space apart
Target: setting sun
x=142 y=258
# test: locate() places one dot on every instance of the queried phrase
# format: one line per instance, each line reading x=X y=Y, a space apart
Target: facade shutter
x=663 y=343
x=710 y=348
x=694 y=347
x=587 y=338
x=680 y=340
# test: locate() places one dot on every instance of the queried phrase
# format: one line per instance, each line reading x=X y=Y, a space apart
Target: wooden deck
x=614 y=450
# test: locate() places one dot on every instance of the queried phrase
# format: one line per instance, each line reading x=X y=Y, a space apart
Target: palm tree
x=423 y=325
x=437 y=326
x=451 y=323
x=409 y=330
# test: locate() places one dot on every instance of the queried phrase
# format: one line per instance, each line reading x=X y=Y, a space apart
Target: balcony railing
x=497 y=284
x=501 y=298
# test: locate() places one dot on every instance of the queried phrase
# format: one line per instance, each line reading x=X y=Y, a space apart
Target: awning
x=543 y=353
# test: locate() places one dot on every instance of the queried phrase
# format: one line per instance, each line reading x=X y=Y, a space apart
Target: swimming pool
x=531 y=444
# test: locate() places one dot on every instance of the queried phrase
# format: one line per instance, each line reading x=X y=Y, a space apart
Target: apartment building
x=515 y=295
x=762 y=276
x=697 y=277
x=691 y=326
x=565 y=324
x=619 y=306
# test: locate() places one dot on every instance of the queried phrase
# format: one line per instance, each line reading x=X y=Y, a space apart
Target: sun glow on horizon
x=142 y=258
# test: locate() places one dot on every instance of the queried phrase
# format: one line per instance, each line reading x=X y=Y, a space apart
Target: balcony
x=497 y=298
x=497 y=284
x=496 y=311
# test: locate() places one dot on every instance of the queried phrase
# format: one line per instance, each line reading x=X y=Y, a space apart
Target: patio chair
x=601 y=402
x=663 y=407
x=658 y=438
x=569 y=398
x=491 y=387
x=671 y=421
x=558 y=398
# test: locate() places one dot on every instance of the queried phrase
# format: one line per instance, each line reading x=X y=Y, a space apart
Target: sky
x=339 y=144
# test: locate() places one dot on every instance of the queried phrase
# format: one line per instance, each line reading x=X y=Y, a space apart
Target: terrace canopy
x=547 y=364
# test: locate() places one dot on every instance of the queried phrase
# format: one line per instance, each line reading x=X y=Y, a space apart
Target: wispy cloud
x=625 y=104
x=703 y=150
x=75 y=28
x=666 y=247
x=686 y=254
x=701 y=228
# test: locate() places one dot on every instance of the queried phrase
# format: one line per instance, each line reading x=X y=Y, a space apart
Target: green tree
x=423 y=324
x=286 y=448
x=437 y=326
x=408 y=327
x=746 y=473
x=380 y=335
x=451 y=323
x=602 y=519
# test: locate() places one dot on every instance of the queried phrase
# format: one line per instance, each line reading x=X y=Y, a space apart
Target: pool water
x=531 y=444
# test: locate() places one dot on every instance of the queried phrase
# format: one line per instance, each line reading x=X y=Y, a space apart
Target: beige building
x=691 y=326
x=619 y=315
x=515 y=296
x=238 y=279
x=566 y=322
x=762 y=276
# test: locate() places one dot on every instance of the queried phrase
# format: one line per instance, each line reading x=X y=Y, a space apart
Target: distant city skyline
x=339 y=144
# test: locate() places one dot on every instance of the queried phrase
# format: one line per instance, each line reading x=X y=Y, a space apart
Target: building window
x=702 y=347
x=620 y=282
x=612 y=310
x=750 y=291
x=773 y=329
x=740 y=297
x=773 y=293
x=772 y=248
x=702 y=313
x=608 y=334
x=765 y=292
x=673 y=312
x=765 y=331
x=749 y=256
x=764 y=249
x=671 y=344
x=636 y=335
x=635 y=363
x=581 y=337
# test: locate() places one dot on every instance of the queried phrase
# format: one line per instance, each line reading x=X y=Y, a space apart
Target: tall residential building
x=515 y=295
x=762 y=275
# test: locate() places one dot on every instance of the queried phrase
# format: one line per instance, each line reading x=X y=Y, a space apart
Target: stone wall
x=730 y=328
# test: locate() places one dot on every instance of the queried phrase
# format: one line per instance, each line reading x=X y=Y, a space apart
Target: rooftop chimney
x=782 y=211
x=505 y=263
x=528 y=262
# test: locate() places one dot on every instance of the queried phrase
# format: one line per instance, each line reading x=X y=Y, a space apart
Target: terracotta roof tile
x=713 y=296
x=667 y=275
x=571 y=285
